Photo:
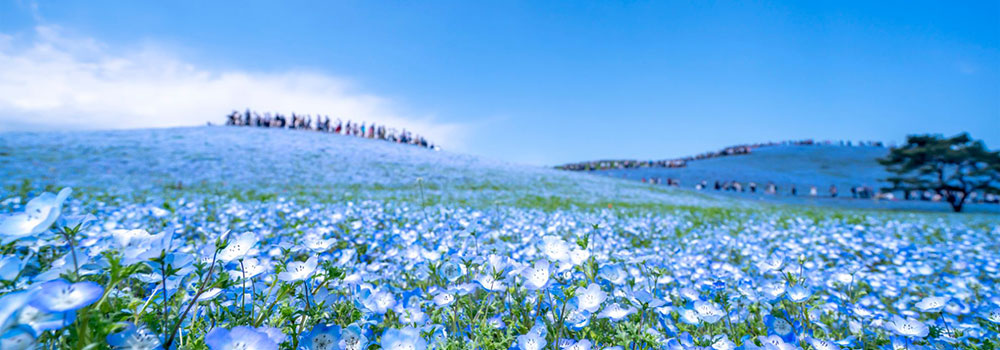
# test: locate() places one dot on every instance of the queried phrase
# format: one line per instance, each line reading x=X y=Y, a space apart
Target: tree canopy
x=954 y=167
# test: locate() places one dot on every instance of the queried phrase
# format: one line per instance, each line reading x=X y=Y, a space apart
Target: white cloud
x=50 y=80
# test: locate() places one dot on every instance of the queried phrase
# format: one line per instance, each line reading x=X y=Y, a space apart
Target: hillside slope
x=269 y=162
x=802 y=166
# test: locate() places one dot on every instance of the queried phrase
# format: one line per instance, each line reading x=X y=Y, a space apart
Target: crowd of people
x=682 y=162
x=325 y=124
x=857 y=192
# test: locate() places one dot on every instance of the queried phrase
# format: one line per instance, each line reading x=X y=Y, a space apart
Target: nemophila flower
x=380 y=301
x=909 y=327
x=407 y=338
x=537 y=276
x=137 y=245
x=820 y=344
x=993 y=315
x=771 y=263
x=932 y=304
x=451 y=271
x=275 y=333
x=59 y=295
x=616 y=312
x=774 y=290
x=249 y=268
x=614 y=274
x=645 y=299
x=957 y=307
x=239 y=338
x=578 y=256
x=41 y=321
x=316 y=243
x=568 y=344
x=65 y=264
x=723 y=343
x=134 y=338
x=577 y=319
x=780 y=327
x=489 y=283
x=775 y=343
x=38 y=216
x=708 y=311
x=495 y=264
x=531 y=341
x=798 y=293
x=689 y=316
x=10 y=305
x=443 y=299
x=496 y=322
x=590 y=298
x=238 y=248
x=554 y=248
x=10 y=267
x=298 y=271
x=18 y=338
x=539 y=329
x=843 y=277
x=412 y=315
x=902 y=343
x=353 y=338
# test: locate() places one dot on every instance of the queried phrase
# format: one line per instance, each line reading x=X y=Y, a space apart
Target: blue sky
x=532 y=82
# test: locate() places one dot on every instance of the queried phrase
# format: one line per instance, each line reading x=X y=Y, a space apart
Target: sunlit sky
x=530 y=82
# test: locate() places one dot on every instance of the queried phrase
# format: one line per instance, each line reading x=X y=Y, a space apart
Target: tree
x=953 y=167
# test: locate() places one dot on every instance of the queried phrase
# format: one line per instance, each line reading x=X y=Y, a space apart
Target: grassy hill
x=801 y=166
x=266 y=163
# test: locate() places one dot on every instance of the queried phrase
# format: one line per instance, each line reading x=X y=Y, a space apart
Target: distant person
x=812 y=191
x=833 y=191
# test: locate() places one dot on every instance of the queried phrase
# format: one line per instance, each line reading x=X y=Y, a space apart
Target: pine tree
x=953 y=167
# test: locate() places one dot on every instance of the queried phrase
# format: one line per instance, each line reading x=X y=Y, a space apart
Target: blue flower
x=932 y=304
x=451 y=271
x=819 y=344
x=537 y=276
x=590 y=298
x=239 y=247
x=59 y=295
x=568 y=344
x=616 y=312
x=353 y=338
x=18 y=338
x=993 y=315
x=798 y=293
x=708 y=311
x=531 y=341
x=379 y=301
x=298 y=271
x=38 y=216
x=322 y=337
x=780 y=327
x=909 y=327
x=407 y=338
x=239 y=338
x=489 y=283
x=444 y=299
x=10 y=267
x=134 y=338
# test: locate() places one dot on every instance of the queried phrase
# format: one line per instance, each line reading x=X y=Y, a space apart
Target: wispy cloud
x=53 y=80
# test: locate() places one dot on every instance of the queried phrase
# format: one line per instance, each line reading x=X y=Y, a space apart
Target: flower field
x=238 y=239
